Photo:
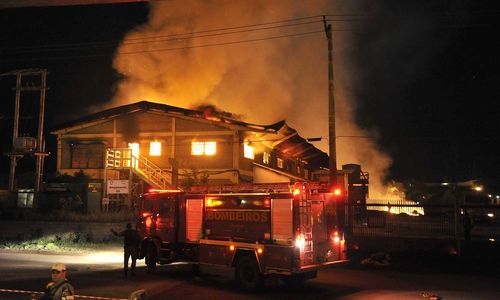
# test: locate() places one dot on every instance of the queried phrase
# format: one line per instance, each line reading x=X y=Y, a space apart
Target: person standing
x=59 y=288
x=131 y=242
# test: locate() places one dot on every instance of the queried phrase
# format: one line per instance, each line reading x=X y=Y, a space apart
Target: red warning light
x=337 y=191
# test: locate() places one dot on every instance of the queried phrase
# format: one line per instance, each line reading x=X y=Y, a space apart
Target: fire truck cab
x=260 y=230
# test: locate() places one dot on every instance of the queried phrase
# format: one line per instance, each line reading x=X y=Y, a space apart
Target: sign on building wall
x=117 y=186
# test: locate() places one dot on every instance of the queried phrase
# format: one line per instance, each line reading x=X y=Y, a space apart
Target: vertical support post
x=331 y=107
x=15 y=134
x=457 y=223
x=40 y=141
x=175 y=167
x=114 y=134
x=236 y=154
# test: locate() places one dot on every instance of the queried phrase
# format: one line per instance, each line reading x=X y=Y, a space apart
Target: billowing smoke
x=264 y=81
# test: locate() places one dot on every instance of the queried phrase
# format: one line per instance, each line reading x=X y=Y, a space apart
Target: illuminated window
x=279 y=161
x=266 y=157
x=210 y=148
x=203 y=148
x=135 y=154
x=135 y=149
x=248 y=151
x=155 y=148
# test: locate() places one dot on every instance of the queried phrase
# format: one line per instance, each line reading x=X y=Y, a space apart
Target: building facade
x=147 y=144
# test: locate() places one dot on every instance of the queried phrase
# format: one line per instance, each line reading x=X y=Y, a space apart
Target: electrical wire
x=173 y=37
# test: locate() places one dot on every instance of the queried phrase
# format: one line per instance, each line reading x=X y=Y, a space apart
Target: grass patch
x=75 y=242
x=63 y=215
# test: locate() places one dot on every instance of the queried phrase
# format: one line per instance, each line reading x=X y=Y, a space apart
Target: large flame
x=263 y=81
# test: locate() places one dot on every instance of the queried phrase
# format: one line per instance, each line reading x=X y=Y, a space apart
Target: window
x=266 y=157
x=248 y=151
x=155 y=149
x=135 y=149
x=279 y=162
x=135 y=153
x=203 y=148
x=87 y=156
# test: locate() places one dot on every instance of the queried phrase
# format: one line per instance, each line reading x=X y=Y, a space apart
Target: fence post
x=457 y=222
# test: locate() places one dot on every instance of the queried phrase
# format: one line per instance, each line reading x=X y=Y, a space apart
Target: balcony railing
x=120 y=158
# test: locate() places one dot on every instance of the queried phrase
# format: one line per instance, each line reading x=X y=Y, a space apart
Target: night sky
x=427 y=76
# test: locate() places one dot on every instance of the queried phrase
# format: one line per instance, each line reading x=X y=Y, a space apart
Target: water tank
x=354 y=174
x=25 y=144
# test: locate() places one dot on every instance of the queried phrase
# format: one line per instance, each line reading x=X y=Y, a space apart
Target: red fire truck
x=260 y=230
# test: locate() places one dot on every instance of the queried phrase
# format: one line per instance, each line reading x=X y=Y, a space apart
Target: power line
x=223 y=43
x=174 y=48
x=178 y=36
x=165 y=38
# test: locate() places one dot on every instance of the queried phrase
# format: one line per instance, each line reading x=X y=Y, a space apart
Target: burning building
x=150 y=145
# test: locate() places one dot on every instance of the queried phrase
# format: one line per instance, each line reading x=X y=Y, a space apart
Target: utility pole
x=332 y=163
x=40 y=145
x=21 y=148
x=15 y=133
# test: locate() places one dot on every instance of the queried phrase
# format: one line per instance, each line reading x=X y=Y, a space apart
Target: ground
x=100 y=274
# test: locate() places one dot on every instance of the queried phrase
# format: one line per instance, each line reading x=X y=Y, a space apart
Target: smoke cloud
x=264 y=81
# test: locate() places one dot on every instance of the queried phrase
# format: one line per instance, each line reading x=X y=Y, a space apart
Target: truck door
x=319 y=231
x=167 y=219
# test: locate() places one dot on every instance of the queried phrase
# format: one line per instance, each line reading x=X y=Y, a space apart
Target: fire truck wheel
x=151 y=259
x=247 y=273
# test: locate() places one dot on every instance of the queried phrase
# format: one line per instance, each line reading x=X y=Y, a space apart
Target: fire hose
x=76 y=296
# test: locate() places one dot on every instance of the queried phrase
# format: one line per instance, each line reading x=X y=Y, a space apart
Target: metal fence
x=403 y=220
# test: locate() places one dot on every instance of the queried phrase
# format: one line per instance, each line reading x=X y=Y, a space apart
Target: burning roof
x=279 y=135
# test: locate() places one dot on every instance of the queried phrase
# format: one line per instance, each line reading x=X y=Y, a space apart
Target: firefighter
x=131 y=242
x=59 y=288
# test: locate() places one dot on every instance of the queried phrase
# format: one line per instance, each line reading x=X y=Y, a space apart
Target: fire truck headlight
x=300 y=242
x=231 y=247
x=335 y=236
x=260 y=250
x=149 y=222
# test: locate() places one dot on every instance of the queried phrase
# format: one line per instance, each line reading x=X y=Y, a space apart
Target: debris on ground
x=431 y=296
x=377 y=259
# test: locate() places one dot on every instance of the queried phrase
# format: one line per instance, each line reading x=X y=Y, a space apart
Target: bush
x=64 y=215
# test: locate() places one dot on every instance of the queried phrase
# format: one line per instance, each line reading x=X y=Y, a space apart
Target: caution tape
x=76 y=296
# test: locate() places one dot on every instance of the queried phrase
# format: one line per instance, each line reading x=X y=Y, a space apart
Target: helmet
x=59 y=267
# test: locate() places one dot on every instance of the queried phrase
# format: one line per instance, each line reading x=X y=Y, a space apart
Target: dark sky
x=427 y=76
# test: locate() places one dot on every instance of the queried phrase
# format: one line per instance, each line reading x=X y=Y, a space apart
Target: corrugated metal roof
x=145 y=106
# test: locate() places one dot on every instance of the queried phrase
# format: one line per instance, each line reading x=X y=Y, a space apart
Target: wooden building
x=148 y=144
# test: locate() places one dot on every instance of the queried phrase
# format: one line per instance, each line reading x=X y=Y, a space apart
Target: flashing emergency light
x=337 y=191
x=153 y=190
x=149 y=221
x=259 y=250
x=267 y=203
x=300 y=241
x=231 y=248
x=212 y=202
x=335 y=237
x=296 y=191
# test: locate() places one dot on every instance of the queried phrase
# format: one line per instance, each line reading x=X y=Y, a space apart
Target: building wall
x=262 y=175
x=176 y=135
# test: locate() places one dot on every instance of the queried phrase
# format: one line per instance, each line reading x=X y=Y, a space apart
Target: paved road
x=101 y=275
